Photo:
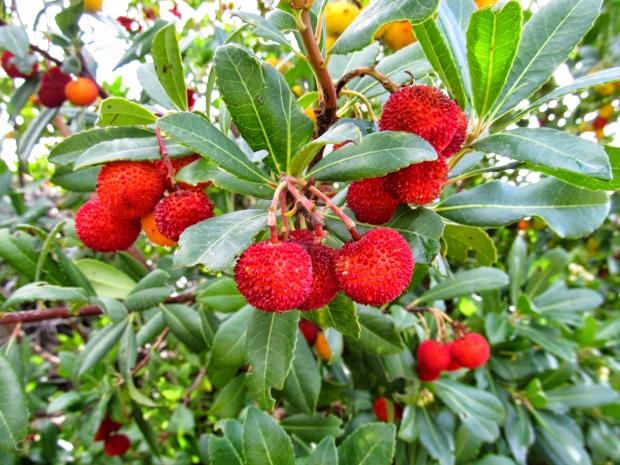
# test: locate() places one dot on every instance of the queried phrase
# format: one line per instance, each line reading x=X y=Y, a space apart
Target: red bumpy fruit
x=107 y=427
x=130 y=189
x=180 y=210
x=433 y=358
x=375 y=269
x=177 y=164
x=11 y=69
x=383 y=407
x=116 y=445
x=102 y=231
x=309 y=330
x=274 y=277
x=420 y=183
x=459 y=136
x=422 y=110
x=370 y=201
x=52 y=91
x=324 y=281
x=471 y=350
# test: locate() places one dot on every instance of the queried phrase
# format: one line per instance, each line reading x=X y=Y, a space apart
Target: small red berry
x=191 y=99
x=370 y=201
x=274 y=277
x=309 y=330
x=471 y=350
x=11 y=69
x=116 y=445
x=180 y=210
x=386 y=410
x=432 y=356
x=52 y=90
x=428 y=375
x=600 y=123
x=454 y=365
x=102 y=231
x=420 y=183
x=375 y=269
x=106 y=427
x=130 y=189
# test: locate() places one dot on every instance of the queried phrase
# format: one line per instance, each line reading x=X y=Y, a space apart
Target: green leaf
x=21 y=97
x=461 y=240
x=581 y=396
x=517 y=267
x=370 y=444
x=227 y=449
x=77 y=181
x=221 y=296
x=492 y=459
x=440 y=54
x=551 y=148
x=466 y=282
x=13 y=409
x=270 y=349
x=145 y=428
x=43 y=291
x=264 y=441
x=549 y=341
x=569 y=211
x=141 y=149
x=15 y=40
x=361 y=32
x=547 y=40
x=186 y=325
x=261 y=27
x=303 y=383
x=168 y=65
x=100 y=345
x=216 y=242
x=519 y=432
x=340 y=314
x=141 y=44
x=105 y=279
x=492 y=41
x=262 y=105
x=118 y=111
x=325 y=453
x=378 y=333
x=147 y=298
x=196 y=133
x=69 y=149
x=436 y=440
x=204 y=170
x=312 y=428
x=32 y=134
x=341 y=64
x=229 y=401
x=147 y=77
x=480 y=411
x=560 y=440
x=377 y=154
x=566 y=305
x=422 y=228
x=229 y=343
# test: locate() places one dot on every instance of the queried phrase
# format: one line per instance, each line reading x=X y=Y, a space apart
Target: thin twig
x=156 y=346
x=164 y=155
x=272 y=219
x=199 y=377
x=348 y=222
x=383 y=79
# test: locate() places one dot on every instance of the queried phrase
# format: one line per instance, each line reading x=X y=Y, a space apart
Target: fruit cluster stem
x=272 y=220
x=383 y=79
x=164 y=155
x=348 y=222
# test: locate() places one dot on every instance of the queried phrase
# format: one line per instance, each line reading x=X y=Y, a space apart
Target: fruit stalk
x=348 y=222
x=164 y=154
x=272 y=220
x=383 y=79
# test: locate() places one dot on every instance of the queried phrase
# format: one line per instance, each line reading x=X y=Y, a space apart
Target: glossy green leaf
x=581 y=396
x=340 y=314
x=461 y=241
x=325 y=453
x=492 y=41
x=312 y=428
x=14 y=39
x=99 y=345
x=77 y=181
x=422 y=228
x=376 y=155
x=559 y=439
x=229 y=343
x=466 y=282
x=186 y=325
x=370 y=444
x=362 y=30
x=436 y=440
x=569 y=211
x=270 y=349
x=378 y=333
x=228 y=448
x=141 y=44
x=567 y=305
x=13 y=409
x=44 y=291
x=519 y=432
x=118 y=111
x=549 y=341
x=222 y=296
x=30 y=137
x=264 y=441
x=147 y=77
x=229 y=401
x=303 y=383
x=215 y=243
x=168 y=65
x=262 y=105
x=105 y=279
x=261 y=27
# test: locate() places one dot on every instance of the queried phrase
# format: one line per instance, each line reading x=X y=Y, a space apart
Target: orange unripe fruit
x=321 y=345
x=605 y=89
x=339 y=15
x=485 y=3
x=330 y=41
x=397 y=35
x=310 y=113
x=82 y=92
x=606 y=111
x=149 y=226
x=93 y=6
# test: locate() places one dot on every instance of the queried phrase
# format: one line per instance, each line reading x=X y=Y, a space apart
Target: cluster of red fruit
x=114 y=444
x=316 y=338
x=306 y=274
x=133 y=194
x=56 y=86
x=468 y=351
x=429 y=113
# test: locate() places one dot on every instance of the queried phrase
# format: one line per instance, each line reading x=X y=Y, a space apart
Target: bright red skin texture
x=52 y=90
x=130 y=189
x=459 y=136
x=428 y=375
x=180 y=210
x=370 y=201
x=309 y=330
x=102 y=231
x=422 y=110
x=13 y=71
x=471 y=351
x=274 y=277
x=116 y=445
x=381 y=409
x=433 y=356
x=106 y=427
x=420 y=183
x=375 y=269
x=454 y=365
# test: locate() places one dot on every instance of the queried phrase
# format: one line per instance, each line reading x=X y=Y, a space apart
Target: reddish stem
x=284 y=210
x=348 y=222
x=164 y=155
x=272 y=219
